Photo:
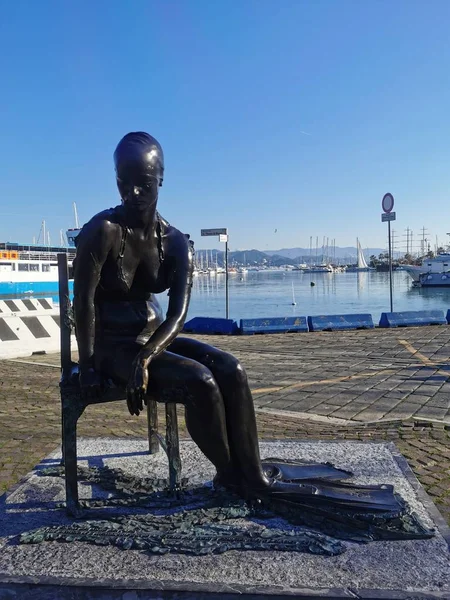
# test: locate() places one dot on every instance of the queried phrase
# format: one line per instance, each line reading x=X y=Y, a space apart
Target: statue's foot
x=248 y=490
x=228 y=482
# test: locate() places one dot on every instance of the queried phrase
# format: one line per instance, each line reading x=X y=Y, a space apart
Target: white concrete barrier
x=28 y=326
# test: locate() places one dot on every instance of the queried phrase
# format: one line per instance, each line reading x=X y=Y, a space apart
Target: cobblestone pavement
x=367 y=385
x=363 y=375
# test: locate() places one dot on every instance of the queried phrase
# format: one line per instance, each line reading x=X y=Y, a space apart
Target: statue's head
x=139 y=163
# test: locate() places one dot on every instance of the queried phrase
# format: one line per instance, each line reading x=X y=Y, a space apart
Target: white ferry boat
x=433 y=272
x=31 y=269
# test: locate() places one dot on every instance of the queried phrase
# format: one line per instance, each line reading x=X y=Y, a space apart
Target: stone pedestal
x=388 y=569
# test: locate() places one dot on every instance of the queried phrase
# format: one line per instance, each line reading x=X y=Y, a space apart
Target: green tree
x=373 y=261
x=408 y=259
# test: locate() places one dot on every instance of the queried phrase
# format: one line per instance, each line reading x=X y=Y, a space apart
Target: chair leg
x=152 y=424
x=71 y=411
x=173 y=446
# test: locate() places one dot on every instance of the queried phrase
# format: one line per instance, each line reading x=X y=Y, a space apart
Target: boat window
x=34 y=267
x=45 y=268
x=24 y=267
x=445 y=264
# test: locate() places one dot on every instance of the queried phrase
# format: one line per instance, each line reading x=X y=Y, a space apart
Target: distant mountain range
x=346 y=252
x=287 y=256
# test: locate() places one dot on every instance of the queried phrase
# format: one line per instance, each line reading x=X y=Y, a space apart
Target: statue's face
x=139 y=190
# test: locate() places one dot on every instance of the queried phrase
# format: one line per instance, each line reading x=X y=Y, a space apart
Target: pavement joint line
x=334 y=380
x=423 y=359
x=300 y=384
x=305 y=416
x=32 y=362
x=266 y=390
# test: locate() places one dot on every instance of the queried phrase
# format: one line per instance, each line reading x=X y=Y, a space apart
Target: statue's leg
x=180 y=379
x=239 y=410
x=175 y=378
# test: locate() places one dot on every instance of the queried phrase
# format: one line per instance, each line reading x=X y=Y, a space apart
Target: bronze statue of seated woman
x=126 y=255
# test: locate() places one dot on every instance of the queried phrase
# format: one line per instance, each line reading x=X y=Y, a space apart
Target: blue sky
x=279 y=120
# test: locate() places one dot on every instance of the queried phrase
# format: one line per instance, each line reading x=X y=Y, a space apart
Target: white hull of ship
x=21 y=271
x=434 y=272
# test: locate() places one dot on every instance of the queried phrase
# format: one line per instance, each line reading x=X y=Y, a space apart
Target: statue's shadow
x=141 y=513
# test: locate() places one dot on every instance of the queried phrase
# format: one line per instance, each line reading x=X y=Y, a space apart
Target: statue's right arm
x=93 y=247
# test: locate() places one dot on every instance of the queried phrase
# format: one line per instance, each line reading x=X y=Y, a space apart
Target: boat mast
x=39 y=236
x=75 y=212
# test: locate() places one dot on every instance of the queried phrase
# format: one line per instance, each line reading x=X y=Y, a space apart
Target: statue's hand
x=137 y=386
x=90 y=383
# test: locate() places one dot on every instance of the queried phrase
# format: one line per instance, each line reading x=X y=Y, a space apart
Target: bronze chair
x=73 y=406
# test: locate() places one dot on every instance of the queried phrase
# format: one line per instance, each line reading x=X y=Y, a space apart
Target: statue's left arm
x=179 y=258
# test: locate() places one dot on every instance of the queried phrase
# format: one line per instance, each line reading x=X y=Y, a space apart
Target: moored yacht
x=320 y=269
x=433 y=272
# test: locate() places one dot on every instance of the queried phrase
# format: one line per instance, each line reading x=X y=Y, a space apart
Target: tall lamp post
x=222 y=233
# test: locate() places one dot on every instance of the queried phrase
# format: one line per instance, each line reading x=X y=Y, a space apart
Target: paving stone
x=369 y=414
x=431 y=412
x=404 y=410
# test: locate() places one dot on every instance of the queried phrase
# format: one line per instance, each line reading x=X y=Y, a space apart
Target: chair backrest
x=64 y=315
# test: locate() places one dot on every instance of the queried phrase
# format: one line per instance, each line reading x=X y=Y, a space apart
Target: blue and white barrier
x=30 y=306
x=340 y=322
x=273 y=325
x=31 y=325
x=28 y=326
x=210 y=325
x=413 y=318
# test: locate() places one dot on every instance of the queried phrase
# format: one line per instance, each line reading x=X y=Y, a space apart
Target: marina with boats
x=31 y=270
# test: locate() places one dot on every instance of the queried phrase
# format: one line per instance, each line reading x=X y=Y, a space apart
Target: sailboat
x=213 y=268
x=219 y=270
x=293 y=295
x=243 y=268
x=361 y=265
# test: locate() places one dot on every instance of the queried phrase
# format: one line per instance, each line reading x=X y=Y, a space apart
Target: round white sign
x=387 y=203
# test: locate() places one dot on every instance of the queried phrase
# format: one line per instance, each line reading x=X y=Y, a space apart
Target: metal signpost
x=222 y=232
x=387 y=205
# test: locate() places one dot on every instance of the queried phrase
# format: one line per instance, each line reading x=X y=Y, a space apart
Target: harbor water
x=271 y=294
